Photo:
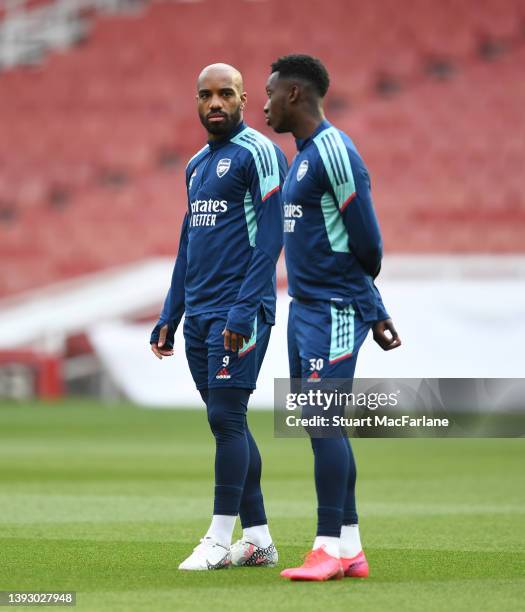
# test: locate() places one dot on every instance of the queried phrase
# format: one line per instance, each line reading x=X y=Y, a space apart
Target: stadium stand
x=94 y=139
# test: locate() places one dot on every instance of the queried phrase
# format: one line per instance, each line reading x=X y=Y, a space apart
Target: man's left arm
x=364 y=239
x=266 y=237
x=359 y=217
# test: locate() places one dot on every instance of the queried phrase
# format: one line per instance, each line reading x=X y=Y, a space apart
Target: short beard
x=222 y=129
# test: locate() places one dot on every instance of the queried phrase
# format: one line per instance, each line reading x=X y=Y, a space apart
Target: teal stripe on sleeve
x=335 y=228
x=336 y=161
x=265 y=158
x=247 y=347
x=251 y=219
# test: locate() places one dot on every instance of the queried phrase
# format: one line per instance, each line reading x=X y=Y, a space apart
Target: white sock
x=258 y=535
x=221 y=529
x=350 y=541
x=331 y=545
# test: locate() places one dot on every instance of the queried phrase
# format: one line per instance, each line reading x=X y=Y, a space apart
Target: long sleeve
x=266 y=237
x=348 y=181
x=364 y=236
x=173 y=308
x=382 y=313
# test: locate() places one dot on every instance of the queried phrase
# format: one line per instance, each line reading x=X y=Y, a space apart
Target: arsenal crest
x=223 y=166
x=302 y=170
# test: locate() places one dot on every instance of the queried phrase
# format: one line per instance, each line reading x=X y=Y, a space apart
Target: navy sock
x=227 y=418
x=350 y=511
x=251 y=509
x=331 y=467
x=252 y=504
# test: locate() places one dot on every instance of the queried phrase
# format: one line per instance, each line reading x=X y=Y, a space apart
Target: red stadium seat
x=87 y=138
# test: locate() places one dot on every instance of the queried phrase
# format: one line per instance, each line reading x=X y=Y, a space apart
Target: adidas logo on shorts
x=314 y=377
x=223 y=374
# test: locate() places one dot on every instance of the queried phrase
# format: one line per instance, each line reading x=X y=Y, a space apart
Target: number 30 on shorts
x=316 y=364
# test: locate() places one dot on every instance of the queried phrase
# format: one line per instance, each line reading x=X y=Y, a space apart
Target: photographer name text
x=369 y=421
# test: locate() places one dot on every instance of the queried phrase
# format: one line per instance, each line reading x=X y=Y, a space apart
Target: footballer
x=224 y=282
x=333 y=252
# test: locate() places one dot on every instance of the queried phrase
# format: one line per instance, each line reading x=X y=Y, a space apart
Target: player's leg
x=230 y=380
x=209 y=554
x=322 y=344
x=227 y=418
x=252 y=513
x=352 y=556
x=226 y=408
x=353 y=559
x=309 y=353
x=256 y=547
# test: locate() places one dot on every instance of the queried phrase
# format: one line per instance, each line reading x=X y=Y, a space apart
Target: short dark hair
x=305 y=67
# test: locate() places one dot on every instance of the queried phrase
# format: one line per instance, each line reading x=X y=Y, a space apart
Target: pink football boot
x=355 y=567
x=318 y=565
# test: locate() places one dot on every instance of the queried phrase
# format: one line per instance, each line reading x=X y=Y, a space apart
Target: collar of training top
x=216 y=144
x=302 y=142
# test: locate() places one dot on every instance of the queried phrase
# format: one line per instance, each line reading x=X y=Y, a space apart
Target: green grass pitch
x=106 y=501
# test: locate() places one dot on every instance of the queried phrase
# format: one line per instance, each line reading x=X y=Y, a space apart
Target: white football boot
x=208 y=555
x=245 y=554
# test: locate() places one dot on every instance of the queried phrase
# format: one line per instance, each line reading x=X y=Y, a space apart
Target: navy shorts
x=213 y=367
x=324 y=339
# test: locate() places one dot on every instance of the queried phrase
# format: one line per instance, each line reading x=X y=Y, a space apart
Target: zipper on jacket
x=205 y=168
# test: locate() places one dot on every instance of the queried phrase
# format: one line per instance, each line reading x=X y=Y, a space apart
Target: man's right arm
x=173 y=308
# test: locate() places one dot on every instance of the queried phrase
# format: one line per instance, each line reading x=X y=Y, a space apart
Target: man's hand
x=233 y=341
x=385 y=335
x=157 y=349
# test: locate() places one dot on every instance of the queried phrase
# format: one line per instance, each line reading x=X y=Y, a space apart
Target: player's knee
x=225 y=421
x=227 y=411
x=216 y=418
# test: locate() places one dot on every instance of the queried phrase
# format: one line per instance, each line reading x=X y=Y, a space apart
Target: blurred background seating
x=94 y=138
